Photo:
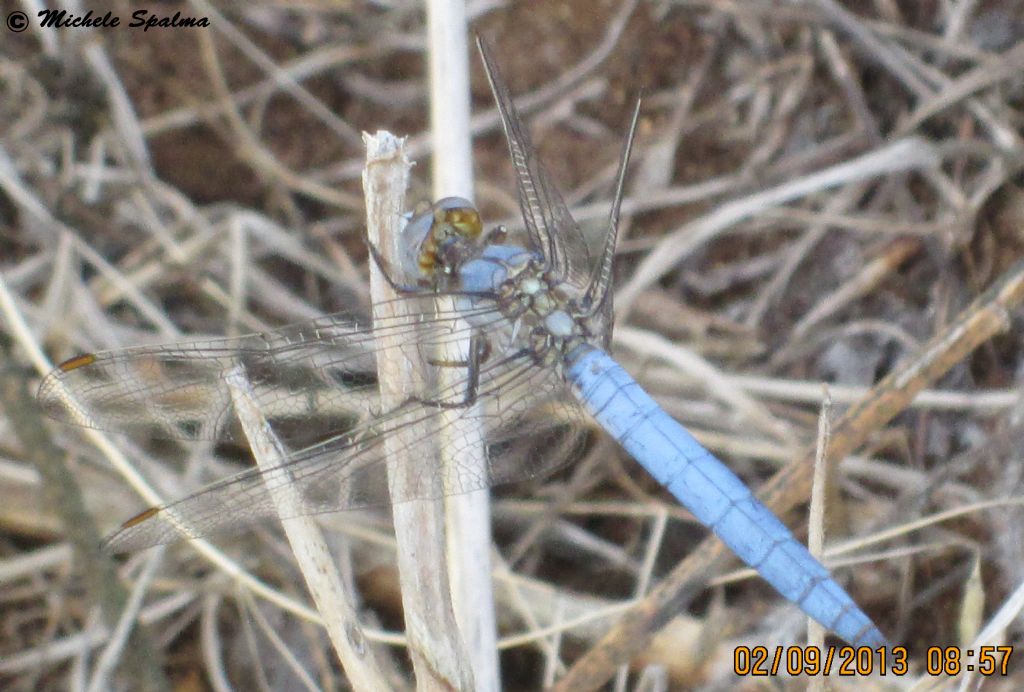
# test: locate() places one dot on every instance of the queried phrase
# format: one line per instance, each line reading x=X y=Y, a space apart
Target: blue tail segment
x=715 y=495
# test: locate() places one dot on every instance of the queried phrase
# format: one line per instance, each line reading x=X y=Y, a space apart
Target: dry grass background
x=818 y=189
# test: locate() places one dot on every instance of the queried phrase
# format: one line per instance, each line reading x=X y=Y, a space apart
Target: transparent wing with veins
x=552 y=231
x=317 y=370
x=316 y=384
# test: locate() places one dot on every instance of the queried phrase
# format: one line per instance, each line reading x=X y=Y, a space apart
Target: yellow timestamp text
x=847 y=660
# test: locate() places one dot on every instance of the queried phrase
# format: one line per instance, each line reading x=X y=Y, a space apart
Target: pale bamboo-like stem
x=438 y=656
x=307 y=541
x=462 y=446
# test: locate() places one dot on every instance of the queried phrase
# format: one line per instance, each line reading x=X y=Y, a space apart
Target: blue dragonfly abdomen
x=713 y=493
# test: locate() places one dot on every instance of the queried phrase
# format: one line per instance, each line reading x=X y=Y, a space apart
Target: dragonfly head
x=455 y=228
x=438 y=237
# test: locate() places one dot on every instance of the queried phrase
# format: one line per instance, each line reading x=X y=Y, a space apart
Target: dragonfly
x=533 y=312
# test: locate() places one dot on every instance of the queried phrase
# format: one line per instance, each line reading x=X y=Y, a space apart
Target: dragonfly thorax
x=544 y=309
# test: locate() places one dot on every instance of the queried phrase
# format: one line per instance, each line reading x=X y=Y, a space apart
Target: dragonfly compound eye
x=451 y=231
x=465 y=221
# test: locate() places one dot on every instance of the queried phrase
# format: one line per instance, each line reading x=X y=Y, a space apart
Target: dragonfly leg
x=479 y=350
x=387 y=272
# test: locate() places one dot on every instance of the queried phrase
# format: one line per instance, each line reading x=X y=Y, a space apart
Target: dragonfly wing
x=550 y=226
x=532 y=429
x=319 y=375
